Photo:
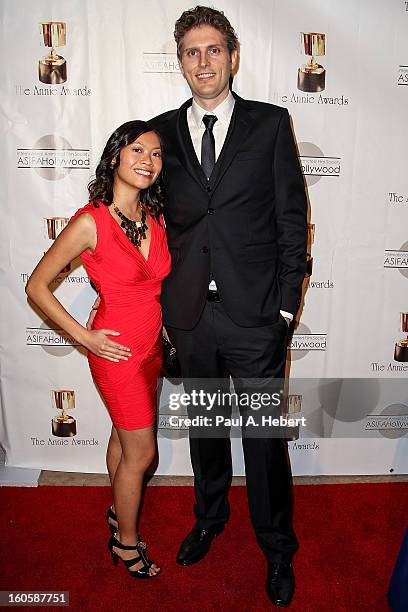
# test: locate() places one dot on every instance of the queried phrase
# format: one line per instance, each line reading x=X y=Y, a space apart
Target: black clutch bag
x=171 y=366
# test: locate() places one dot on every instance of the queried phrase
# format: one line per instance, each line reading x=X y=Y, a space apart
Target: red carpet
x=54 y=538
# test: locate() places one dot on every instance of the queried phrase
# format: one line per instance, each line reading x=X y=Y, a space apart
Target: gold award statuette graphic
x=293 y=404
x=55 y=225
x=52 y=69
x=401 y=347
x=63 y=425
x=53 y=228
x=312 y=76
x=310 y=241
x=292 y=408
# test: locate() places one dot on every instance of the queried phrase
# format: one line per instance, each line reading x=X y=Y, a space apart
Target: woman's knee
x=140 y=459
x=114 y=443
x=138 y=448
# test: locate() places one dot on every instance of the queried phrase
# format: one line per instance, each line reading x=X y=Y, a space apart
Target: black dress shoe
x=196 y=545
x=280 y=583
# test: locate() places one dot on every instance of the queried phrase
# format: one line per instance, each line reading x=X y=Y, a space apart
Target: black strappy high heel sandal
x=111 y=516
x=113 y=528
x=142 y=572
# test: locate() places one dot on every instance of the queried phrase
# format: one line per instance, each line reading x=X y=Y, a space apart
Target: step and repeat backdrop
x=74 y=71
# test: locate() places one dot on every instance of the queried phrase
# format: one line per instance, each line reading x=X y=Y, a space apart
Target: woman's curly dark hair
x=101 y=187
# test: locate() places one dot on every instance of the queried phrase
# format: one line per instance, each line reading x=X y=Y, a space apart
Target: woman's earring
x=112 y=164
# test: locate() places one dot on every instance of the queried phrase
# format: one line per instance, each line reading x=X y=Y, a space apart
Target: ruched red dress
x=129 y=287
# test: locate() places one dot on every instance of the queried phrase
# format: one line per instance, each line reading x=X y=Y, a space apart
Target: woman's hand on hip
x=98 y=342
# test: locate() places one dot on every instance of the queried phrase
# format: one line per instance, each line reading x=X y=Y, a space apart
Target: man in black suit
x=237 y=232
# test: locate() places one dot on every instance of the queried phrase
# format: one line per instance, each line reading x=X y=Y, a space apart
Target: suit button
x=210 y=211
x=204 y=249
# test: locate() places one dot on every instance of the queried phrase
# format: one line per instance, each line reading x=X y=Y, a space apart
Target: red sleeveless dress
x=129 y=287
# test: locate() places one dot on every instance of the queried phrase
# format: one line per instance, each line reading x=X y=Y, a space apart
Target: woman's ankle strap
x=120 y=545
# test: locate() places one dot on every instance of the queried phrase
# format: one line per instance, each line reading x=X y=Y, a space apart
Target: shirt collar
x=223 y=111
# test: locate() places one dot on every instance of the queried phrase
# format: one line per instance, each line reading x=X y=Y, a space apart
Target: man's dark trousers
x=218 y=348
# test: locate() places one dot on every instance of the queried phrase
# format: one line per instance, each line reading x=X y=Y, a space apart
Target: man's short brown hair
x=204 y=15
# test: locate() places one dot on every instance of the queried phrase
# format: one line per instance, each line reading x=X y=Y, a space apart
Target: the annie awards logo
x=63 y=424
x=397 y=259
x=52 y=71
x=400 y=353
x=397 y=198
x=52 y=157
x=53 y=226
x=316 y=165
x=311 y=76
x=304 y=341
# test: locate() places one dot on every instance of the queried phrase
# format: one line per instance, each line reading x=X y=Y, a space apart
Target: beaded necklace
x=135 y=230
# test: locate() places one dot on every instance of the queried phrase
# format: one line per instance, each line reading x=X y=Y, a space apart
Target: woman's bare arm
x=78 y=236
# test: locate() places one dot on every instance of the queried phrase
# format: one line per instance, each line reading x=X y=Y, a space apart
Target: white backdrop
x=352 y=136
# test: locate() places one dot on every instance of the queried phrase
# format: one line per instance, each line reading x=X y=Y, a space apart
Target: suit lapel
x=187 y=154
x=237 y=132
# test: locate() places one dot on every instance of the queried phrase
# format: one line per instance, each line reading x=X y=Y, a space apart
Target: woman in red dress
x=121 y=239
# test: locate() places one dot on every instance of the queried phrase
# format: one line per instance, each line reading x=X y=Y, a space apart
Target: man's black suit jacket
x=247 y=225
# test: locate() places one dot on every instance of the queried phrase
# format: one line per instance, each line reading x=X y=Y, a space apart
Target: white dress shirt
x=195 y=115
x=223 y=112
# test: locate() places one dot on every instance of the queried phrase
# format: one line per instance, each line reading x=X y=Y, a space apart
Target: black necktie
x=208 y=145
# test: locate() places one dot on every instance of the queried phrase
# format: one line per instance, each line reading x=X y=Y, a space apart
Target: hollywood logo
x=316 y=165
x=402 y=78
x=161 y=63
x=52 y=340
x=304 y=341
x=52 y=157
x=397 y=259
x=391 y=423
